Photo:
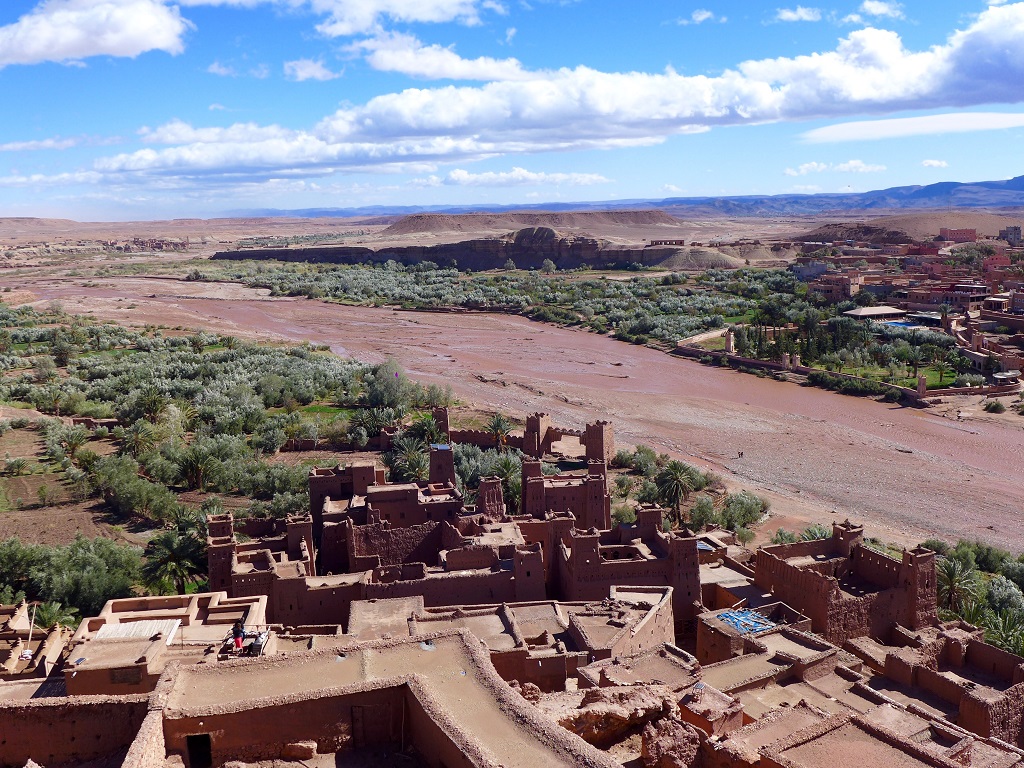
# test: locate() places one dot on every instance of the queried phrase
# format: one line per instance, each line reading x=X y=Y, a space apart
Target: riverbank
x=906 y=474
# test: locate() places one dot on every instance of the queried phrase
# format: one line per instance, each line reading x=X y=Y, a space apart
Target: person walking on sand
x=238 y=634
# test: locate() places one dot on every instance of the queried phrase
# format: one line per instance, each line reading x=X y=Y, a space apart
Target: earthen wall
x=935 y=683
x=377 y=544
x=881 y=570
x=335 y=723
x=148 y=750
x=57 y=731
x=995 y=661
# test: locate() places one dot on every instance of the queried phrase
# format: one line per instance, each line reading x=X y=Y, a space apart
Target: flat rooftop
x=850 y=746
x=451 y=667
x=730 y=674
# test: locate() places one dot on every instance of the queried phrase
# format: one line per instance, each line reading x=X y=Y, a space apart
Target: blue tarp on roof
x=746 y=621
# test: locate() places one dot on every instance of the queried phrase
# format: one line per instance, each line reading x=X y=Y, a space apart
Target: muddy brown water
x=906 y=473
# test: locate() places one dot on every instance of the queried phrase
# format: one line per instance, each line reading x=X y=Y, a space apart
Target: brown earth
x=920 y=226
x=818 y=456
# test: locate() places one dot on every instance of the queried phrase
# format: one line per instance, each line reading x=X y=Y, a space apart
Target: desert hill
x=500 y=222
x=910 y=227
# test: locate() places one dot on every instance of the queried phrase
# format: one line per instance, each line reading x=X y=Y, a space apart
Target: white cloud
x=221 y=69
x=520 y=177
x=701 y=15
x=902 y=127
x=510 y=33
x=179 y=132
x=881 y=8
x=857 y=166
x=353 y=17
x=869 y=72
x=806 y=168
x=215 y=107
x=308 y=69
x=850 y=166
x=800 y=13
x=58 y=179
x=672 y=188
x=406 y=54
x=934 y=163
x=71 y=30
x=28 y=146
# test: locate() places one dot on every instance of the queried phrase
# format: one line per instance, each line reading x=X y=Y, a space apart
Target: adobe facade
x=847 y=589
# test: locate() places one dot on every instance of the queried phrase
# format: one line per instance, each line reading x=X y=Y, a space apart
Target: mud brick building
x=847 y=589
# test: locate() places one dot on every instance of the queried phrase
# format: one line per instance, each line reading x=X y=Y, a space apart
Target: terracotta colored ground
x=906 y=473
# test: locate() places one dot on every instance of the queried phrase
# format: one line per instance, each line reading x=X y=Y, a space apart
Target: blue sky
x=145 y=109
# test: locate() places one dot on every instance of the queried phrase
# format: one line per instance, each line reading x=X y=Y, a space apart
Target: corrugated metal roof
x=139 y=629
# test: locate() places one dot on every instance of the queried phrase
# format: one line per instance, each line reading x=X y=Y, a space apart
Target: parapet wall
x=881 y=570
x=68 y=731
x=995 y=661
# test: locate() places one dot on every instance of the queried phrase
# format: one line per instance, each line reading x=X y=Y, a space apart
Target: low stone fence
x=1002 y=389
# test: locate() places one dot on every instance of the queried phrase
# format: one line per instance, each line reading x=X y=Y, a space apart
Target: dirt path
x=906 y=473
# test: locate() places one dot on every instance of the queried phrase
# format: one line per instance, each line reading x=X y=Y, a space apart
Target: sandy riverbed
x=906 y=473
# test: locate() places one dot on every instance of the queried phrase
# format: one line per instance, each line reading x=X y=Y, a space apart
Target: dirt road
x=905 y=473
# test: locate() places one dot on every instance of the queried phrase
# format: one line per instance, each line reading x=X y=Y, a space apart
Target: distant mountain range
x=947 y=194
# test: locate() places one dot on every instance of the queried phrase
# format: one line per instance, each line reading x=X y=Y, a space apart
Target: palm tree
x=428 y=430
x=152 y=403
x=408 y=459
x=1005 y=630
x=195 y=468
x=138 y=439
x=48 y=614
x=499 y=427
x=957 y=584
x=172 y=558
x=74 y=439
x=675 y=483
x=509 y=468
x=915 y=358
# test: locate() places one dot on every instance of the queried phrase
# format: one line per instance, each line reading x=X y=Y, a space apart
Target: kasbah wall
x=851 y=590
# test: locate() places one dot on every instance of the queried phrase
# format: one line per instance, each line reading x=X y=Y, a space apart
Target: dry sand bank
x=906 y=473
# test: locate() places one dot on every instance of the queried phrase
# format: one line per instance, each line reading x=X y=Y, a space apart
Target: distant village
x=402 y=620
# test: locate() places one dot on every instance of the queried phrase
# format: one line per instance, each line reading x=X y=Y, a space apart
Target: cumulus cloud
x=72 y=30
x=699 y=16
x=180 y=132
x=406 y=54
x=934 y=163
x=308 y=69
x=857 y=166
x=222 y=70
x=37 y=144
x=518 y=177
x=51 y=180
x=850 y=166
x=352 y=17
x=902 y=127
x=798 y=14
x=882 y=8
x=869 y=72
